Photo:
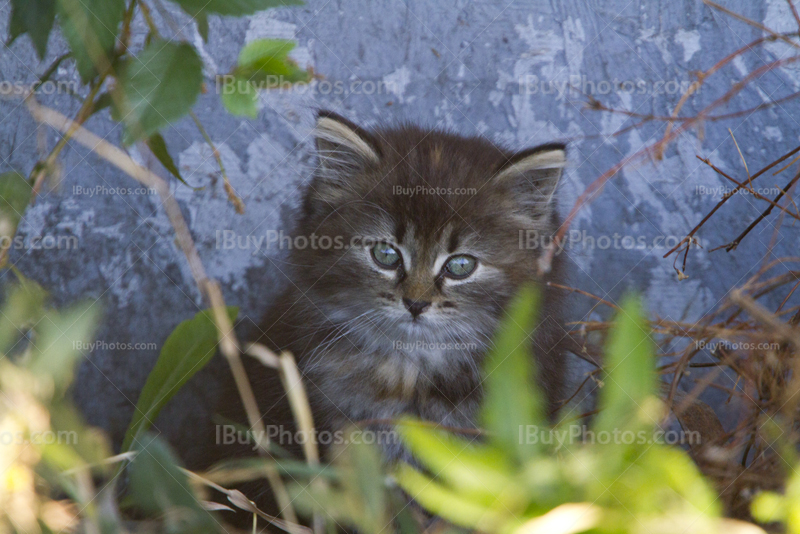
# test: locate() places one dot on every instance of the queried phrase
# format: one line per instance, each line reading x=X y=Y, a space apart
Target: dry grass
x=749 y=352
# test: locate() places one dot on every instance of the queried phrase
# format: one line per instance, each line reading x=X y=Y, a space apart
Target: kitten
x=399 y=322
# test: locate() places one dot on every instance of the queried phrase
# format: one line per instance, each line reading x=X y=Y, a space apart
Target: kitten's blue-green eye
x=386 y=256
x=460 y=266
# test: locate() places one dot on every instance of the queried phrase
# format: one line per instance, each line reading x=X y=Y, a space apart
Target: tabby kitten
x=399 y=322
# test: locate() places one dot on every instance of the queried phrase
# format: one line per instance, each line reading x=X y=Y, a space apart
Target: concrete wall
x=488 y=67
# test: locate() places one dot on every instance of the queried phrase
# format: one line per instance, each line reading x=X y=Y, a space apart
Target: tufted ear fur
x=533 y=175
x=343 y=150
x=342 y=147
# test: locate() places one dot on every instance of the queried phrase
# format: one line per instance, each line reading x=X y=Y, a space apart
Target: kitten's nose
x=416 y=307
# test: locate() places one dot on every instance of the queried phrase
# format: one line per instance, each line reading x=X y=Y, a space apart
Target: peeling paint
x=397 y=81
x=690 y=41
x=651 y=35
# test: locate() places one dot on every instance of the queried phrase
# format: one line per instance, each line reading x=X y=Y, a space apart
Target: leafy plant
x=156 y=87
x=160 y=84
x=263 y=63
x=160 y=487
x=15 y=194
x=521 y=479
x=50 y=459
x=185 y=352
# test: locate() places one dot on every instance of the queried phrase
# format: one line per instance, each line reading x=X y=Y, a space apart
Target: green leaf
x=651 y=481
x=768 y=507
x=158 y=146
x=234 y=8
x=15 y=194
x=363 y=478
x=445 y=503
x=187 y=350
x=479 y=471
x=60 y=341
x=513 y=402
x=23 y=308
x=34 y=17
x=202 y=25
x=103 y=101
x=82 y=445
x=266 y=63
x=159 y=486
x=262 y=64
x=237 y=470
x=360 y=498
x=90 y=28
x=158 y=86
x=630 y=372
x=240 y=97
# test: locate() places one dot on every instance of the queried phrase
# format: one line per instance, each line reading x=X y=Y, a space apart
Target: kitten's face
x=421 y=273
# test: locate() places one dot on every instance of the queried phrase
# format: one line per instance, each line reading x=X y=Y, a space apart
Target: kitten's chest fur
x=367 y=387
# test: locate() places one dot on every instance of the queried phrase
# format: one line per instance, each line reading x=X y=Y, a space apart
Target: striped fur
x=363 y=355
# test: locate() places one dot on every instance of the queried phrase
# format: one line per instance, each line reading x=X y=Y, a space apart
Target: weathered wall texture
x=486 y=67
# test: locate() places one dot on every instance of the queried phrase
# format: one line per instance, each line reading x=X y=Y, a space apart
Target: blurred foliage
x=528 y=476
x=262 y=63
x=50 y=460
x=15 y=194
x=156 y=87
x=521 y=479
x=523 y=475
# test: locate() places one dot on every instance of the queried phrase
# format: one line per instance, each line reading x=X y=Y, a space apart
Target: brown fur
x=344 y=319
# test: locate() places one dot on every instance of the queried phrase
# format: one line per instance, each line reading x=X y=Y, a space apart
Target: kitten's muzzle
x=416 y=307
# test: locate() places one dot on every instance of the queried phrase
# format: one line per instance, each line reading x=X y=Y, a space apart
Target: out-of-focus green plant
x=15 y=193
x=160 y=84
x=41 y=436
x=772 y=507
x=262 y=64
x=527 y=476
x=50 y=460
x=356 y=492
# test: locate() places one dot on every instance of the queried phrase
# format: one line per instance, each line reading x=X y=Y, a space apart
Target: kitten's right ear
x=342 y=147
x=533 y=176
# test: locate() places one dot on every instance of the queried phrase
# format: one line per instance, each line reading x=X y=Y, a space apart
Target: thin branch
x=742 y=186
x=232 y=196
x=794 y=13
x=726 y=198
x=229 y=345
x=735 y=243
x=238 y=205
x=744 y=161
x=43 y=168
x=585 y=293
x=596 y=186
x=751 y=22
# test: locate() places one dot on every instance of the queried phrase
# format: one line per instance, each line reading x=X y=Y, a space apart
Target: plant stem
x=228 y=343
x=41 y=170
x=237 y=202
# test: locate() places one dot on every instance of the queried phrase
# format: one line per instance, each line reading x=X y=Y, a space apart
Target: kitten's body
x=366 y=357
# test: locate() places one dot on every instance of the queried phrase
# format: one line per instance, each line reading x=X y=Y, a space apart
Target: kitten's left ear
x=343 y=151
x=342 y=147
x=533 y=175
